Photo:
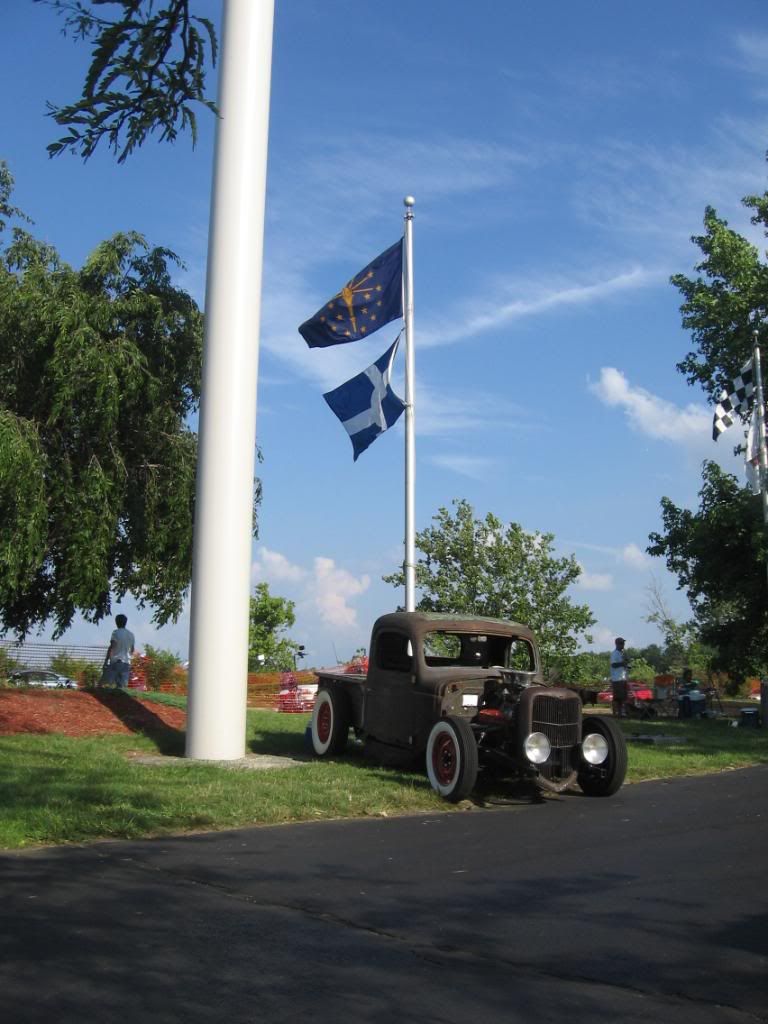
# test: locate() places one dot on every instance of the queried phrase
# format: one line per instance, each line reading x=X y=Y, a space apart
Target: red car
x=635 y=692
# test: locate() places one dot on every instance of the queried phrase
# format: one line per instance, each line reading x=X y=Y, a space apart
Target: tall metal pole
x=227 y=438
x=409 y=563
x=761 y=430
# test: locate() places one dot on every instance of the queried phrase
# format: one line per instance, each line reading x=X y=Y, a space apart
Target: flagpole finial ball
x=409 y=201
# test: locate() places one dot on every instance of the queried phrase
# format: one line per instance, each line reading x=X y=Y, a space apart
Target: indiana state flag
x=366 y=404
x=371 y=299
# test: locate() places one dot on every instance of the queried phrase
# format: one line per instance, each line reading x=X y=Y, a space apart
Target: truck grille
x=558 y=718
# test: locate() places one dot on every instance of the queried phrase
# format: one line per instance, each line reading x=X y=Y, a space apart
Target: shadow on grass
x=139 y=717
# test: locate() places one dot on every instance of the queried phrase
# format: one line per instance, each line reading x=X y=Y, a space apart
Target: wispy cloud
x=594 y=580
x=630 y=555
x=651 y=415
x=464 y=322
x=476 y=467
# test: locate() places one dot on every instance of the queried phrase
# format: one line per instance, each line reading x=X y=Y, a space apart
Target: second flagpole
x=409 y=561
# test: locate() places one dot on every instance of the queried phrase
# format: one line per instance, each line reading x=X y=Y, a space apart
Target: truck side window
x=392 y=652
x=521 y=655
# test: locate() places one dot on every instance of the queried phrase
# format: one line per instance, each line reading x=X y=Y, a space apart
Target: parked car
x=635 y=692
x=42 y=678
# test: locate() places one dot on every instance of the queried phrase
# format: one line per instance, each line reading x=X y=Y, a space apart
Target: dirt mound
x=84 y=713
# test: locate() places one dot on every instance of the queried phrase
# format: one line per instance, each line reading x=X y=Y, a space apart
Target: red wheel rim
x=444 y=759
x=324 y=719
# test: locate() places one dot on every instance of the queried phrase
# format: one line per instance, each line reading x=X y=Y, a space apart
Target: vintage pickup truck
x=463 y=695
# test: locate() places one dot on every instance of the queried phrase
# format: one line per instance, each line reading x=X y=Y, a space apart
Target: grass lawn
x=57 y=789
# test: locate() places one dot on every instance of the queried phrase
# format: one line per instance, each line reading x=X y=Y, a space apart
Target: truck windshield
x=478 y=649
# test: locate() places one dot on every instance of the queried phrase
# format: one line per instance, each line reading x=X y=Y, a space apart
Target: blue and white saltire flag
x=367 y=301
x=366 y=404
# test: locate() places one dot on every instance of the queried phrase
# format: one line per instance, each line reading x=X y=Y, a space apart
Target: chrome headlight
x=594 y=748
x=537 y=748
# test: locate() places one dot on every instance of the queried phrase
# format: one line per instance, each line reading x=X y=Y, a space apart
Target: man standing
x=619 y=666
x=120 y=650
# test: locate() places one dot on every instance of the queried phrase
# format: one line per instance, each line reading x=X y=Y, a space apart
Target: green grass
x=62 y=790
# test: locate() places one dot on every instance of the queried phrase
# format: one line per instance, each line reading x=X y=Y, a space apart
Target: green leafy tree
x=581 y=669
x=270 y=616
x=483 y=567
x=718 y=555
x=724 y=303
x=147 y=74
x=99 y=370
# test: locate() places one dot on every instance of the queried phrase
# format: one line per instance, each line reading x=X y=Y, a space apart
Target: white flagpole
x=409 y=563
x=761 y=429
x=224 y=505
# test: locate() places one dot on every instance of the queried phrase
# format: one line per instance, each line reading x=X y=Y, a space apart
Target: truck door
x=389 y=687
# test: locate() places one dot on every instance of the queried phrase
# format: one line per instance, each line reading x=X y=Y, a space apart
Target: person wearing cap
x=619 y=667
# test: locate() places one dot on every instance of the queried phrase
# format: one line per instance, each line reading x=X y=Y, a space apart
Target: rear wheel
x=452 y=759
x=331 y=720
x=607 y=778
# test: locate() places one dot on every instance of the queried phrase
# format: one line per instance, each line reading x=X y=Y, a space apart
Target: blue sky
x=561 y=156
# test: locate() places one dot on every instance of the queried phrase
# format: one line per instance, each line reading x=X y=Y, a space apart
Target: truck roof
x=420 y=623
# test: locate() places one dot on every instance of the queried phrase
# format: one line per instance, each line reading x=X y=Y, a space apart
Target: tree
x=482 y=567
x=683 y=647
x=147 y=71
x=718 y=555
x=719 y=552
x=99 y=370
x=723 y=307
x=269 y=617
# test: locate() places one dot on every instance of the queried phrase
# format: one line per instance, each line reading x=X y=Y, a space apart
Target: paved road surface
x=649 y=906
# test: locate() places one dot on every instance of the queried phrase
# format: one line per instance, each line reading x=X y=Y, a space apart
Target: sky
x=561 y=156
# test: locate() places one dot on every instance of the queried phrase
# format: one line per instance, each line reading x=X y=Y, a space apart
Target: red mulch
x=80 y=713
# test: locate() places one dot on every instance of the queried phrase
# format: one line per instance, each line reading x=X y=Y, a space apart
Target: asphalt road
x=649 y=906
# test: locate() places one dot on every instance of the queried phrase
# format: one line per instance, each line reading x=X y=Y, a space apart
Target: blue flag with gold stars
x=369 y=300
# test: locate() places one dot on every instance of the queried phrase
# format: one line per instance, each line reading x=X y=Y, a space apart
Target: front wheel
x=452 y=762
x=607 y=778
x=331 y=720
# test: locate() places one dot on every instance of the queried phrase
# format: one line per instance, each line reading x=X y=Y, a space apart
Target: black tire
x=607 y=778
x=331 y=719
x=452 y=762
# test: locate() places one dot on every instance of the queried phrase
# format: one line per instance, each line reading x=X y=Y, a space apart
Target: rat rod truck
x=462 y=694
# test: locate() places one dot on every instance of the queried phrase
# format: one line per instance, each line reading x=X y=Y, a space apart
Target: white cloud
x=594 y=580
x=330 y=590
x=325 y=589
x=271 y=566
x=633 y=556
x=476 y=467
x=539 y=298
x=650 y=414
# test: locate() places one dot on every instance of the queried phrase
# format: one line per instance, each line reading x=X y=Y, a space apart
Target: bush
x=7 y=663
x=159 y=666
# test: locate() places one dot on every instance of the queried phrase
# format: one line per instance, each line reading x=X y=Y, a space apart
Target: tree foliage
x=147 y=71
x=99 y=370
x=718 y=554
x=724 y=304
x=270 y=616
x=482 y=567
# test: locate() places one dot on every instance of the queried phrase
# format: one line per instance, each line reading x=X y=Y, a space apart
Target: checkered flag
x=738 y=400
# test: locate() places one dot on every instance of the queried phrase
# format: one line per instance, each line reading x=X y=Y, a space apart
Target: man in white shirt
x=120 y=650
x=619 y=666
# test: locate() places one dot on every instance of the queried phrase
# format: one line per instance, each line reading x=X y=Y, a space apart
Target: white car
x=42 y=678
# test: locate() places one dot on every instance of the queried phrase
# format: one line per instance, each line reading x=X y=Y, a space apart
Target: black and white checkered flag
x=738 y=400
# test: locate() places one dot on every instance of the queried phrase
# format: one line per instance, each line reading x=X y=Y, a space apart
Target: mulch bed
x=80 y=713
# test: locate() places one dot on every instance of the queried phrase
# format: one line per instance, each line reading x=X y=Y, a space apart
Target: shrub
x=159 y=666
